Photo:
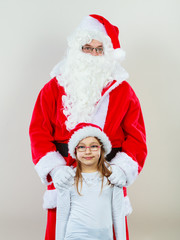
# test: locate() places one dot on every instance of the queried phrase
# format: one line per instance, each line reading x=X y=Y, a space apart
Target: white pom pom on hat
x=84 y=130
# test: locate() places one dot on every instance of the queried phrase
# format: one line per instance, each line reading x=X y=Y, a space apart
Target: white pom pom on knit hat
x=84 y=130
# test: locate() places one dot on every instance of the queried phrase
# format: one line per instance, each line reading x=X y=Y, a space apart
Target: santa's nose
x=94 y=53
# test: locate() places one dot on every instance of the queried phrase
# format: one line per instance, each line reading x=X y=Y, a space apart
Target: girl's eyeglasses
x=92 y=148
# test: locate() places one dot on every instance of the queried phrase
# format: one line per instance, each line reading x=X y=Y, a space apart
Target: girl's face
x=88 y=158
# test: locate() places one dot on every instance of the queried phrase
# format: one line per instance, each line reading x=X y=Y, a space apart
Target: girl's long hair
x=101 y=167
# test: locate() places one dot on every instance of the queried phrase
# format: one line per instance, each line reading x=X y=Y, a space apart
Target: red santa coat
x=118 y=113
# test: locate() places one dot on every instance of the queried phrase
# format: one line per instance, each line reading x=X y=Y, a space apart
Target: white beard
x=83 y=77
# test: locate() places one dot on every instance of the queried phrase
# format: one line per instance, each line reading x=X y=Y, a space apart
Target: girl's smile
x=88 y=158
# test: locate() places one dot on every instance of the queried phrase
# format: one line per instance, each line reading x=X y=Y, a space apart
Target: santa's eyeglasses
x=87 y=49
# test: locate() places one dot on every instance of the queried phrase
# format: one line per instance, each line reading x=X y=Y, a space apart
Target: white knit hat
x=83 y=130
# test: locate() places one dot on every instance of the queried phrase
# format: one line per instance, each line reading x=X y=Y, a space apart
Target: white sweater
x=90 y=216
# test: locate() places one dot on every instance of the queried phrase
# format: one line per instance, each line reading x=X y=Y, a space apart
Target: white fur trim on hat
x=88 y=132
x=91 y=24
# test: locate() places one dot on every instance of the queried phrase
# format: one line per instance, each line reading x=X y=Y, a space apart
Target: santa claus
x=88 y=85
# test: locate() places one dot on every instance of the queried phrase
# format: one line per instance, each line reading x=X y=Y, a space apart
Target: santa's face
x=95 y=48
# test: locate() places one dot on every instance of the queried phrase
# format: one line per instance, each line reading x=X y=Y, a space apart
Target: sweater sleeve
x=134 y=150
x=41 y=130
x=118 y=213
x=62 y=214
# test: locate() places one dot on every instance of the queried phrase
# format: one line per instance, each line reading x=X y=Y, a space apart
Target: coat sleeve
x=118 y=213
x=134 y=150
x=63 y=211
x=41 y=130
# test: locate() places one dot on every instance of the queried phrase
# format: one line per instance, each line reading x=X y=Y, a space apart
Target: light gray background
x=33 y=39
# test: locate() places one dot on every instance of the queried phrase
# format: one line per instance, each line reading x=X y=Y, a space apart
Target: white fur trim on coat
x=128 y=208
x=47 y=163
x=50 y=201
x=128 y=165
x=88 y=132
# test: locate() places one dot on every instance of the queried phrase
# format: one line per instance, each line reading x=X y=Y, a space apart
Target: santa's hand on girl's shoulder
x=117 y=177
x=63 y=177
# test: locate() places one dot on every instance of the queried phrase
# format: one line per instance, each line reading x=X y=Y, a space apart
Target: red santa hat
x=98 y=23
x=84 y=130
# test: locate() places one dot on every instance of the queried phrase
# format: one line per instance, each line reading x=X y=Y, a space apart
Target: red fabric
x=125 y=125
x=51 y=226
x=82 y=125
x=111 y=30
x=127 y=232
x=107 y=87
x=43 y=121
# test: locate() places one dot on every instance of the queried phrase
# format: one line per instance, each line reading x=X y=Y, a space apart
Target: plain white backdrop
x=32 y=40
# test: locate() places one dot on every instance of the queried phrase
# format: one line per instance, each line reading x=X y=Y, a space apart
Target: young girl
x=89 y=209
